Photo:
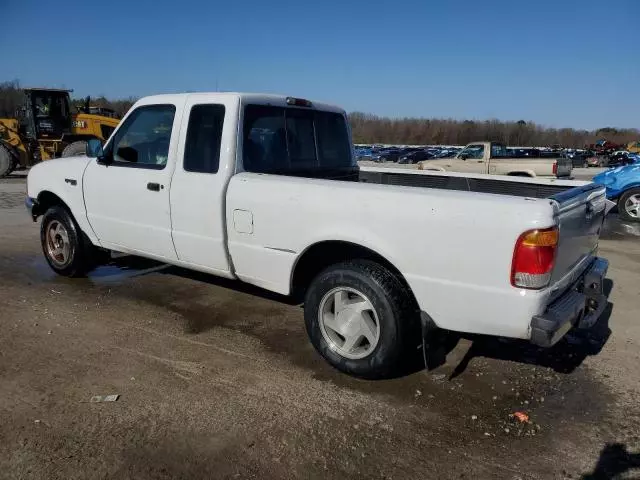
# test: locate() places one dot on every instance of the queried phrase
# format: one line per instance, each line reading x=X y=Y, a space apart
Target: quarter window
x=204 y=134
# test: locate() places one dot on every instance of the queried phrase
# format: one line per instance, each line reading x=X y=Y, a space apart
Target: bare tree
x=420 y=131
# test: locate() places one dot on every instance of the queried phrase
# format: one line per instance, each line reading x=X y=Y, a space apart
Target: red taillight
x=555 y=168
x=534 y=257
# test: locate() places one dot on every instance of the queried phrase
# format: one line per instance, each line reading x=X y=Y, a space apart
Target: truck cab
x=496 y=159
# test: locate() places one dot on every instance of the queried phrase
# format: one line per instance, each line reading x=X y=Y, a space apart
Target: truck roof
x=256 y=98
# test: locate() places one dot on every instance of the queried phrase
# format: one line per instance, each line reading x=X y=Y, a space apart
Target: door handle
x=480 y=161
x=154 y=187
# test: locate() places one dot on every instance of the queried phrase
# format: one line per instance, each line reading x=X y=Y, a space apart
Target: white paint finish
x=122 y=210
x=197 y=199
x=50 y=176
x=505 y=178
x=242 y=221
x=454 y=248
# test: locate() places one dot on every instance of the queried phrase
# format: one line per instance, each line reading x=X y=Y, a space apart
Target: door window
x=204 y=134
x=143 y=140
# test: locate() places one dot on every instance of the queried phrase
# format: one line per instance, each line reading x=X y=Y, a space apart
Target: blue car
x=623 y=186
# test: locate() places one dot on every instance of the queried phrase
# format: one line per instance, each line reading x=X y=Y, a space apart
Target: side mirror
x=463 y=156
x=94 y=148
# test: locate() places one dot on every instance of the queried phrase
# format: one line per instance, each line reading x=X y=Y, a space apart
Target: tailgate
x=580 y=213
x=565 y=165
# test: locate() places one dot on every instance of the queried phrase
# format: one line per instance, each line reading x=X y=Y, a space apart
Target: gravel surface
x=218 y=380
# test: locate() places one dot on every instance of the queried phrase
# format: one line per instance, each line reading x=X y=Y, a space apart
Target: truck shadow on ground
x=130 y=266
x=614 y=460
x=563 y=357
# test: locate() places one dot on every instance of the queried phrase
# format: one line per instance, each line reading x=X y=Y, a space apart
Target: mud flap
x=433 y=349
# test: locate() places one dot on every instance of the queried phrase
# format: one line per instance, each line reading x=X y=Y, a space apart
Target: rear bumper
x=580 y=306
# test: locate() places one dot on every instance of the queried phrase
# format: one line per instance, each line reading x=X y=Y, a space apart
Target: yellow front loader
x=45 y=128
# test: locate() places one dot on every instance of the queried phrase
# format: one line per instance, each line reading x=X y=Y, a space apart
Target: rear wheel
x=629 y=205
x=66 y=249
x=7 y=162
x=75 y=149
x=362 y=319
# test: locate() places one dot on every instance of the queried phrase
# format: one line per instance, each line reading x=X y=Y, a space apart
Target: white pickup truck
x=265 y=189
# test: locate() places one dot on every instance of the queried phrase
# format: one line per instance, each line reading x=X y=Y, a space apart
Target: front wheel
x=362 y=319
x=629 y=205
x=67 y=251
x=7 y=162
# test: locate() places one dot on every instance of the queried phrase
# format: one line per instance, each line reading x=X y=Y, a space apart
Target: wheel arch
x=320 y=255
x=45 y=200
x=48 y=198
x=521 y=173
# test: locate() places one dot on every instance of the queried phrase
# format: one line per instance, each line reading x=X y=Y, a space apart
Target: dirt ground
x=218 y=380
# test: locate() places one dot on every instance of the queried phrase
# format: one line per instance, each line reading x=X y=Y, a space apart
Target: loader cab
x=46 y=114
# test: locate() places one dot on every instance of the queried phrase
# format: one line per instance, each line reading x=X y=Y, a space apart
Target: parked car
x=494 y=158
x=623 y=186
x=597 y=161
x=447 y=153
x=414 y=157
x=619 y=158
x=288 y=210
x=579 y=159
x=388 y=155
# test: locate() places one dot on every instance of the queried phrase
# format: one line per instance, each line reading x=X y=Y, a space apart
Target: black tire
x=82 y=255
x=75 y=149
x=622 y=211
x=397 y=314
x=7 y=162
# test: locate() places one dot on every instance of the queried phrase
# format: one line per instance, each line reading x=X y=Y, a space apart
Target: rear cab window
x=295 y=141
x=499 y=151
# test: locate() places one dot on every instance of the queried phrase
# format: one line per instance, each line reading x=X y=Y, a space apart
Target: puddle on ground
x=488 y=378
x=36 y=269
x=615 y=228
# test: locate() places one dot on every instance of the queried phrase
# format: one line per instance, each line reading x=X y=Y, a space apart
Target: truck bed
x=501 y=185
x=580 y=208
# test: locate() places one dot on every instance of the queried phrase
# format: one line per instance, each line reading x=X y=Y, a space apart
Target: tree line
x=371 y=129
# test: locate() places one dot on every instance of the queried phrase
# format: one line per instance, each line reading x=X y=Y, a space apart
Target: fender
x=61 y=179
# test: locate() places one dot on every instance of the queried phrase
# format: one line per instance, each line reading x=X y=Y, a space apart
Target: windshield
x=50 y=105
x=472 y=151
x=291 y=140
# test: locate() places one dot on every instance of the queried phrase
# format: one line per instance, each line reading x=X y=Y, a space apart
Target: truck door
x=206 y=156
x=472 y=159
x=496 y=160
x=127 y=192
